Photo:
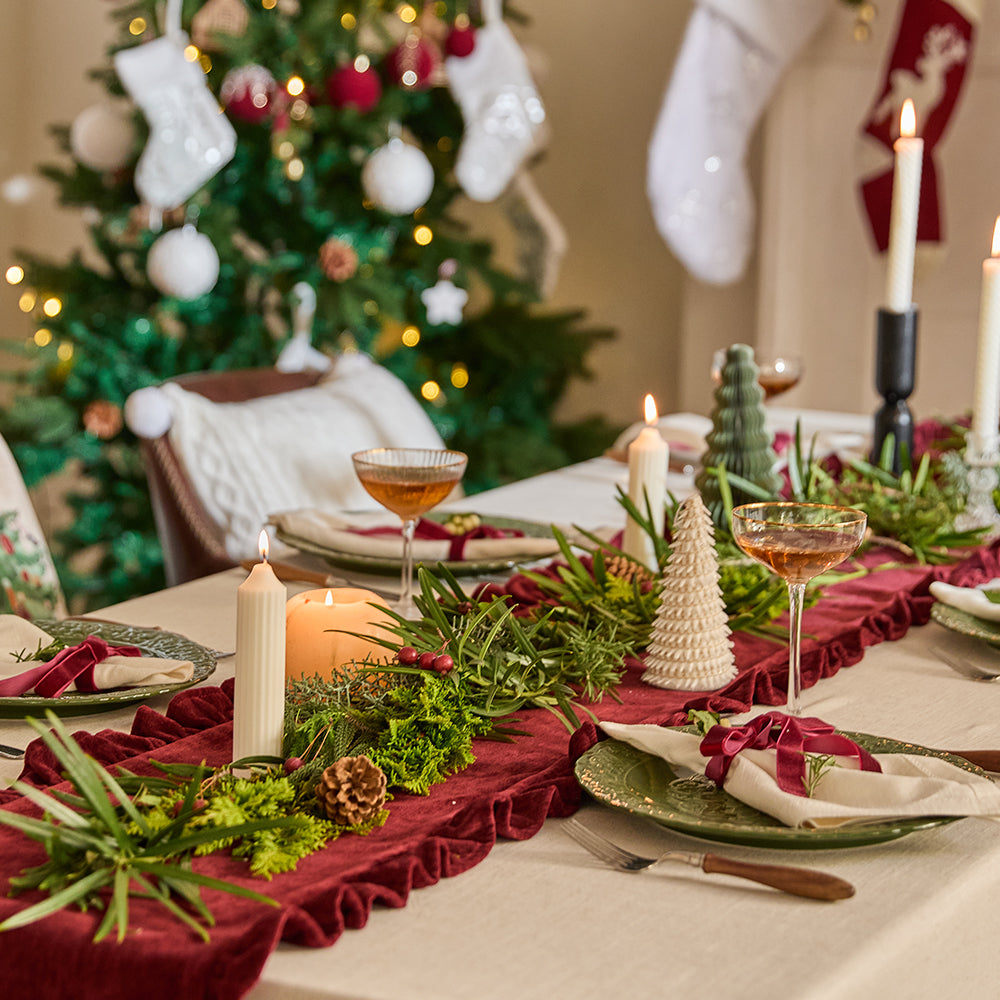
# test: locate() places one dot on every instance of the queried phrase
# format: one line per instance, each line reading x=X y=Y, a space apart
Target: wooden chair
x=216 y=472
x=193 y=543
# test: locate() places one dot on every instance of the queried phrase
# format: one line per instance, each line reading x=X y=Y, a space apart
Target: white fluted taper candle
x=259 y=701
x=648 y=455
x=909 y=162
x=985 y=437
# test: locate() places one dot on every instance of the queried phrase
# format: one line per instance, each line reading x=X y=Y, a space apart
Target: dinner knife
x=289 y=573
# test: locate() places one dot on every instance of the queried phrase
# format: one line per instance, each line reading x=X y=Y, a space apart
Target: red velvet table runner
x=508 y=792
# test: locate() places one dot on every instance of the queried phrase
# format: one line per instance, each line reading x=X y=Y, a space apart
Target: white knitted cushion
x=292 y=450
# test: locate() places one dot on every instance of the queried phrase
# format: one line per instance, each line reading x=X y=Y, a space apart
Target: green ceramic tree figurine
x=739 y=439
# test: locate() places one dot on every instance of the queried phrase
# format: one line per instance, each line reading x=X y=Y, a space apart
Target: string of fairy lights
x=42 y=305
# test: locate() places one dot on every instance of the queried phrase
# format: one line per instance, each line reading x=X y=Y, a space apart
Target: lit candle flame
x=263 y=544
x=329 y=598
x=908 y=120
x=996 y=238
x=649 y=405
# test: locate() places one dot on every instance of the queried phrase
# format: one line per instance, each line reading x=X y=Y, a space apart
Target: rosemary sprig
x=816 y=765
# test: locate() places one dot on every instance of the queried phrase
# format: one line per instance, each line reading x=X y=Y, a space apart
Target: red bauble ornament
x=248 y=93
x=460 y=41
x=353 y=87
x=412 y=63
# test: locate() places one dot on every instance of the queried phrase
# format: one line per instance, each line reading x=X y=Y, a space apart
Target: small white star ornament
x=444 y=302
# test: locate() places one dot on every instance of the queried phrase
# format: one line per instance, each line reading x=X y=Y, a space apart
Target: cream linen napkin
x=971 y=600
x=909 y=785
x=17 y=634
x=333 y=531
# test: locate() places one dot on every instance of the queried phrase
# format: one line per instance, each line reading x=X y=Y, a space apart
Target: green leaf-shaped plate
x=621 y=776
x=153 y=642
x=966 y=624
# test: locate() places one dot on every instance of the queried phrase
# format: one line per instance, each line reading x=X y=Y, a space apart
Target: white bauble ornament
x=398 y=177
x=102 y=138
x=147 y=412
x=183 y=263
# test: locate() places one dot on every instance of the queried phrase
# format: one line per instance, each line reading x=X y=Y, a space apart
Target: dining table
x=537 y=917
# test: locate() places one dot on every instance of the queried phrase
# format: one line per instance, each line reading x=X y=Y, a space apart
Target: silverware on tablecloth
x=11 y=752
x=796 y=881
x=965 y=667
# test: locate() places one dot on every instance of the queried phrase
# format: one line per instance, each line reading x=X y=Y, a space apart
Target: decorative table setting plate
x=152 y=642
x=965 y=623
x=624 y=777
x=347 y=550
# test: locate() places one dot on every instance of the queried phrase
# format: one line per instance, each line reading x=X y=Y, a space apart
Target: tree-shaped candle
x=739 y=439
x=690 y=648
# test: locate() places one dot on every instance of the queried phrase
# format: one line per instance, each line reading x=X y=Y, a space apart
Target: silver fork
x=965 y=667
x=796 y=881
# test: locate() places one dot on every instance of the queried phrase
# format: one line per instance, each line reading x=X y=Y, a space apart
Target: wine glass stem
x=796 y=593
x=406 y=578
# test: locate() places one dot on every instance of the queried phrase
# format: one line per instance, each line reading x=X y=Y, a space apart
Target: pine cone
x=351 y=791
x=626 y=569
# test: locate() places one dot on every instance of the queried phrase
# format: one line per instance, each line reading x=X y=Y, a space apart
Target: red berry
x=198 y=804
x=443 y=663
x=407 y=655
x=426 y=661
x=463 y=607
x=293 y=764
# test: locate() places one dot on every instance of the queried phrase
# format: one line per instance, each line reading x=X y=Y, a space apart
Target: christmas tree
x=352 y=129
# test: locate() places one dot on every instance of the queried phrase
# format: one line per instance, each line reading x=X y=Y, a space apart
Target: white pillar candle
x=909 y=162
x=984 y=438
x=647 y=477
x=259 y=703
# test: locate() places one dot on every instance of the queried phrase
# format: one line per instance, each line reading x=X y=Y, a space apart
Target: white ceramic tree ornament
x=690 y=648
x=298 y=354
x=183 y=263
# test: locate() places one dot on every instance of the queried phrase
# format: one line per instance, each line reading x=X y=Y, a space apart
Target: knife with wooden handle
x=296 y=574
x=988 y=760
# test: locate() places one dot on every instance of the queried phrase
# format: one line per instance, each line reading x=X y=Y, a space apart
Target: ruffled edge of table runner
x=508 y=792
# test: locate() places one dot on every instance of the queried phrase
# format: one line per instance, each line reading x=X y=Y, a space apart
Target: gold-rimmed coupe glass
x=409 y=482
x=775 y=375
x=798 y=541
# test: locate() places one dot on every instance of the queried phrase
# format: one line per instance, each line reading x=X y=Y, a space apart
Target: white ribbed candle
x=909 y=162
x=986 y=405
x=647 y=477
x=259 y=703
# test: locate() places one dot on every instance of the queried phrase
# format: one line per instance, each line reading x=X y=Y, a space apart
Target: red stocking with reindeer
x=928 y=62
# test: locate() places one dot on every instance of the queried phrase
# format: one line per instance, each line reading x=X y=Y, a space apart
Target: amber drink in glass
x=798 y=541
x=409 y=482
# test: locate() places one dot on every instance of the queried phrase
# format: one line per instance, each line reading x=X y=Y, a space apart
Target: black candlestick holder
x=895 y=370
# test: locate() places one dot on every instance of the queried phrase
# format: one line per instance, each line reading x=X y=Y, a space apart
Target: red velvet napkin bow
x=791 y=737
x=74 y=663
x=427 y=529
